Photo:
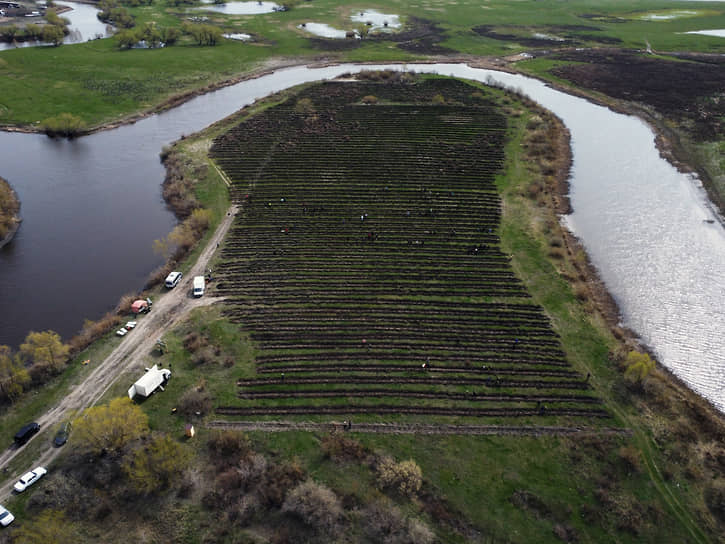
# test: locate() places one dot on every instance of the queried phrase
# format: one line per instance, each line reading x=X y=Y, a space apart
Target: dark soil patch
x=691 y=91
x=488 y=31
x=568 y=33
x=420 y=36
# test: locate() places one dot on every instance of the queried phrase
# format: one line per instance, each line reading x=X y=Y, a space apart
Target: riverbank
x=9 y=213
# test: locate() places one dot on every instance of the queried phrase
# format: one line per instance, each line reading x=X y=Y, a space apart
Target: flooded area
x=92 y=208
x=238 y=36
x=240 y=8
x=84 y=26
x=717 y=33
x=323 y=30
x=377 y=20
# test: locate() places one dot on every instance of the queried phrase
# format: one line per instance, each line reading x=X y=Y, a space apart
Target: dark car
x=26 y=432
x=61 y=437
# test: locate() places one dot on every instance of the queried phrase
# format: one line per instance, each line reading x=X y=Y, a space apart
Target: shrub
x=154 y=467
x=279 y=479
x=369 y=99
x=384 y=522
x=93 y=330
x=203 y=356
x=228 y=447
x=315 y=504
x=715 y=499
x=64 y=124
x=195 y=402
x=638 y=367
x=404 y=477
x=339 y=447
x=304 y=105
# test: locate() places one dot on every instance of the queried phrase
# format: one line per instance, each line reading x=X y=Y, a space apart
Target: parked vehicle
x=173 y=279
x=29 y=478
x=154 y=379
x=61 y=437
x=6 y=518
x=26 y=432
x=141 y=306
x=199 y=283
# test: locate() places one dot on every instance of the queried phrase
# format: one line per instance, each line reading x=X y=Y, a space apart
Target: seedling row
x=365 y=262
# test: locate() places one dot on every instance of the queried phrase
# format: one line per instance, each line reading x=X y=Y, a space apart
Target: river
x=92 y=209
x=84 y=25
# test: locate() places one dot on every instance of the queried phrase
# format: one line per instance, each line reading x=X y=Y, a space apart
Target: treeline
x=53 y=32
x=42 y=356
x=9 y=208
x=153 y=36
x=150 y=34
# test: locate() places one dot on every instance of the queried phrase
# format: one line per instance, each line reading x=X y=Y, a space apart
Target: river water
x=93 y=207
x=84 y=25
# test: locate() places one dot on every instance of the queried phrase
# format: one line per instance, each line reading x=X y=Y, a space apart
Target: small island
x=9 y=210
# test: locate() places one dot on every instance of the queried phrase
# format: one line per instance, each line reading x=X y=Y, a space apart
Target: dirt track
x=170 y=308
x=415 y=428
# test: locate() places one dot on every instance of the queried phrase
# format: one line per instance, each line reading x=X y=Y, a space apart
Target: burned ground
x=689 y=89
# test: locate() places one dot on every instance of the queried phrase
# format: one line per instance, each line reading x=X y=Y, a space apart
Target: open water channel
x=84 y=25
x=92 y=208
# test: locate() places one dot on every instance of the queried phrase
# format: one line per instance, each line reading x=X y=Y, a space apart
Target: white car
x=6 y=518
x=29 y=478
x=122 y=332
x=129 y=325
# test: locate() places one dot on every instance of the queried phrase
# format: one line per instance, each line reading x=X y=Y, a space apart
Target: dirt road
x=170 y=309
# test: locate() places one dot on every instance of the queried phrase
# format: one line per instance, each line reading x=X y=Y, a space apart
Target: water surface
x=717 y=33
x=240 y=8
x=84 y=25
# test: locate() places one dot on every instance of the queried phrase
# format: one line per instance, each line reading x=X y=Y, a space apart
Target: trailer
x=154 y=379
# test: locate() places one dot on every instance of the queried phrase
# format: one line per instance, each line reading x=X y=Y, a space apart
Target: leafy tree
x=8 y=33
x=170 y=35
x=49 y=526
x=13 y=375
x=126 y=38
x=64 y=124
x=150 y=34
x=53 y=34
x=152 y=467
x=110 y=427
x=33 y=31
x=362 y=30
x=45 y=349
x=203 y=34
x=638 y=367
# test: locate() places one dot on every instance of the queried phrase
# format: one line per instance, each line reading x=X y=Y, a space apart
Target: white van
x=199 y=286
x=173 y=279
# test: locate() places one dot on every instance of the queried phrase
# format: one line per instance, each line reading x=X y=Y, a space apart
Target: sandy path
x=170 y=309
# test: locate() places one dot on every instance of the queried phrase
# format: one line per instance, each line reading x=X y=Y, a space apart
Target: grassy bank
x=100 y=84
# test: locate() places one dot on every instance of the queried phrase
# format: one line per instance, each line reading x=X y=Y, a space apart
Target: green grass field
x=102 y=84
